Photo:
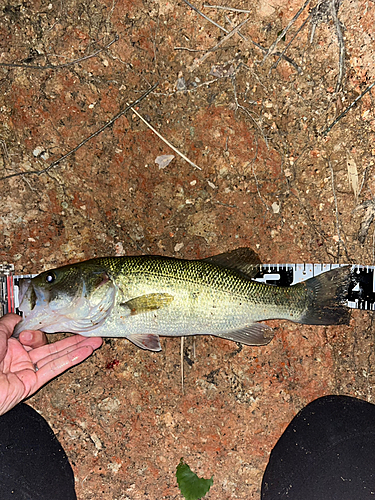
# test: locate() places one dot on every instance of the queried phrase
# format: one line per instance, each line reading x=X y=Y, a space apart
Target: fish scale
x=144 y=275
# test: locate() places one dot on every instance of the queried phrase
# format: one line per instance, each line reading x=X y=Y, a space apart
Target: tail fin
x=326 y=296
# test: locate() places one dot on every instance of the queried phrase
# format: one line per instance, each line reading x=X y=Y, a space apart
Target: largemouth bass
x=142 y=298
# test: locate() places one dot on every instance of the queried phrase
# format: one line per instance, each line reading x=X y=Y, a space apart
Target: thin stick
x=340 y=39
x=367 y=219
x=263 y=49
x=182 y=363
x=201 y=14
x=59 y=66
x=230 y=34
x=274 y=66
x=341 y=115
x=5 y=149
x=271 y=49
x=187 y=48
x=281 y=54
x=163 y=139
x=239 y=33
x=85 y=141
x=363 y=182
x=232 y=9
x=235 y=30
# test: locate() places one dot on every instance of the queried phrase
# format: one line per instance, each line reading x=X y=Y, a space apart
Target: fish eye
x=50 y=278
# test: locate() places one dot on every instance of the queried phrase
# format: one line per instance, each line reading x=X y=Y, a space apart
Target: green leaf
x=191 y=486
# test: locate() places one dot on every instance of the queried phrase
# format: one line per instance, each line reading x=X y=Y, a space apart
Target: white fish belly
x=192 y=312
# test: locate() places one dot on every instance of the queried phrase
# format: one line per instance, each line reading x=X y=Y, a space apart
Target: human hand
x=27 y=363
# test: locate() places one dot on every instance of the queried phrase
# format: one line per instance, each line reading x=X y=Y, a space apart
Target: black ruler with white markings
x=361 y=294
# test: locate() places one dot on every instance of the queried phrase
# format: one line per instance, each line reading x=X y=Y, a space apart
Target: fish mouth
x=34 y=317
x=26 y=296
x=37 y=320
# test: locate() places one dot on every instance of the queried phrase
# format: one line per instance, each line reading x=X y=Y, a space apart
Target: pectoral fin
x=148 y=341
x=149 y=302
x=255 y=334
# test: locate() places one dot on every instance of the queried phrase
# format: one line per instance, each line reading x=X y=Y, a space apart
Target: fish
x=144 y=297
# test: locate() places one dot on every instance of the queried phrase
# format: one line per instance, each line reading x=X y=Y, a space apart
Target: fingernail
x=27 y=336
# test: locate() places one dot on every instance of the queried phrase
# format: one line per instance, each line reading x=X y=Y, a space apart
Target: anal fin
x=254 y=334
x=149 y=341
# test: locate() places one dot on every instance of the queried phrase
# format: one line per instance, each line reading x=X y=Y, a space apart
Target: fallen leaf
x=191 y=486
x=352 y=174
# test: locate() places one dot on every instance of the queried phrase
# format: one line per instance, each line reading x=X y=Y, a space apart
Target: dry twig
x=263 y=49
x=182 y=364
x=341 y=115
x=201 y=14
x=164 y=140
x=282 y=54
x=368 y=217
x=285 y=30
x=221 y=7
x=85 y=141
x=235 y=30
x=59 y=66
x=322 y=12
x=187 y=48
x=341 y=43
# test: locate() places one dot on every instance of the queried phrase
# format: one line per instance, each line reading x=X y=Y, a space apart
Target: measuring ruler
x=361 y=293
x=9 y=289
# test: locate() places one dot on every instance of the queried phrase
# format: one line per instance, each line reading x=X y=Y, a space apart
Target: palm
x=18 y=363
x=18 y=378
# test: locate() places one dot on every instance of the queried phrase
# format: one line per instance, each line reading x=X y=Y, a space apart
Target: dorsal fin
x=243 y=259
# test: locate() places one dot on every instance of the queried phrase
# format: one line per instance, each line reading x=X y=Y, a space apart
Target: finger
x=33 y=338
x=45 y=354
x=7 y=325
x=93 y=343
x=59 y=365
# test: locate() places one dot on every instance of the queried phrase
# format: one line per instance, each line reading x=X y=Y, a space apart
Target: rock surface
x=267 y=179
